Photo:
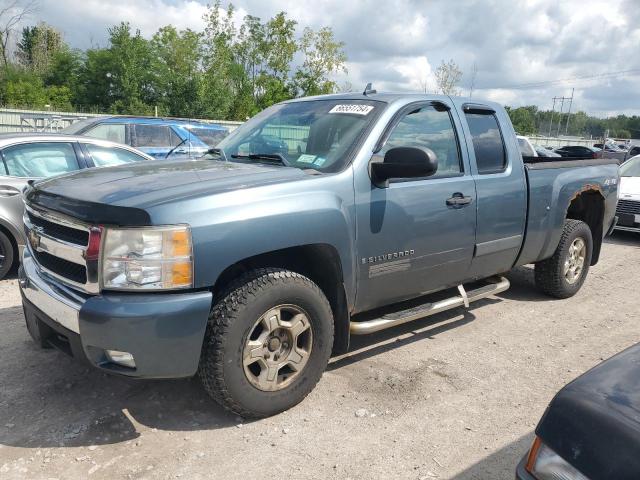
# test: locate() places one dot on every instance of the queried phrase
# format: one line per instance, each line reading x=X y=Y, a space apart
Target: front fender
x=230 y=227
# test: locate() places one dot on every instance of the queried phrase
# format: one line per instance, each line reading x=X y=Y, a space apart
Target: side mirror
x=404 y=162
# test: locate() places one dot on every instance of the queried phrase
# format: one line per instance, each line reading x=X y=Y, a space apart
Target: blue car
x=157 y=137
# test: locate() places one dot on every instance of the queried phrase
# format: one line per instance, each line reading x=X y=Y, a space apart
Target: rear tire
x=563 y=274
x=7 y=255
x=267 y=343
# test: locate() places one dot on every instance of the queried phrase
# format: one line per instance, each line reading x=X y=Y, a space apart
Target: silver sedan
x=25 y=157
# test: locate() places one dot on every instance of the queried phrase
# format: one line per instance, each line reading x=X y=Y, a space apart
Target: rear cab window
x=488 y=144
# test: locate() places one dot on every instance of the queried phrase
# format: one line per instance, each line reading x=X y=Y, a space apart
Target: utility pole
x=474 y=72
x=560 y=119
x=553 y=110
x=566 y=127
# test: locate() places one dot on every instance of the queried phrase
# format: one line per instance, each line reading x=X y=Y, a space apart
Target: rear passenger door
x=498 y=170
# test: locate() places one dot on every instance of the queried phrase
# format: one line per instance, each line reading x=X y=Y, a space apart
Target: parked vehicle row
x=157 y=137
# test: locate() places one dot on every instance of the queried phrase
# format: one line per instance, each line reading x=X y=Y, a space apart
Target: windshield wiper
x=271 y=157
x=174 y=148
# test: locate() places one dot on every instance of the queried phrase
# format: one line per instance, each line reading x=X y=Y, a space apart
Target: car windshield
x=631 y=168
x=316 y=134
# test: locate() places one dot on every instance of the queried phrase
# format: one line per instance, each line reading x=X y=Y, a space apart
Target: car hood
x=594 y=422
x=105 y=194
x=630 y=188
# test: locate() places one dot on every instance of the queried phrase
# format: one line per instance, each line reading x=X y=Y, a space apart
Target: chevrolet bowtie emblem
x=34 y=237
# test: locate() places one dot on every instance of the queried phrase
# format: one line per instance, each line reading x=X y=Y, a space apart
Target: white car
x=628 y=210
x=526 y=147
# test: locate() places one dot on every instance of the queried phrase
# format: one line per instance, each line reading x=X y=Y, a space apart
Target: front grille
x=60 y=266
x=59 y=246
x=628 y=206
x=62 y=232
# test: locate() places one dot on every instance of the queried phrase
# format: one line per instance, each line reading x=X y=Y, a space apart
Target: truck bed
x=552 y=185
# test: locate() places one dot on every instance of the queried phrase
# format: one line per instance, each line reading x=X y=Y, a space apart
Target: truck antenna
x=368 y=90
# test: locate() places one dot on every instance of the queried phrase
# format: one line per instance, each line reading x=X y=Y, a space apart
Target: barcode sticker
x=354 y=109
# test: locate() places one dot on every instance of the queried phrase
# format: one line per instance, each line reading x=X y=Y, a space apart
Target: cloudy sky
x=524 y=51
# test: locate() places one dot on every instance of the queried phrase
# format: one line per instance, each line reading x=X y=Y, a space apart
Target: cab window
x=432 y=128
x=487 y=142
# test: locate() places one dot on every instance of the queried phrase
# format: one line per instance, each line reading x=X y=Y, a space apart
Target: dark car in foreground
x=591 y=429
x=25 y=157
x=158 y=137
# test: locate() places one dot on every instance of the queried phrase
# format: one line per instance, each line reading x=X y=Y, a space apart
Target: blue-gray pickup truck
x=318 y=219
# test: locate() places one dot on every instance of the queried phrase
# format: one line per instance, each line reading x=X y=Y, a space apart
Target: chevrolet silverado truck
x=318 y=219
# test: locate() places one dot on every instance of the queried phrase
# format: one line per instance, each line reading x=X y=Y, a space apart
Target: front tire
x=563 y=274
x=267 y=343
x=7 y=255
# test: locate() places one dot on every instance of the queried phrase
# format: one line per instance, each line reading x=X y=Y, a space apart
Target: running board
x=497 y=285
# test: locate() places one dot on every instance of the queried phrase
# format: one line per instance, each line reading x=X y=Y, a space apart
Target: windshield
x=631 y=168
x=317 y=134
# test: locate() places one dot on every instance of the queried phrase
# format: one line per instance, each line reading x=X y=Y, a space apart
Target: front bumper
x=163 y=331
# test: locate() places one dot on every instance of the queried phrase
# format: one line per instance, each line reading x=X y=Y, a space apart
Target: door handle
x=459 y=200
x=8 y=191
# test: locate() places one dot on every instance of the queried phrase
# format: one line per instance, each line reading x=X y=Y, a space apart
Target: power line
x=634 y=71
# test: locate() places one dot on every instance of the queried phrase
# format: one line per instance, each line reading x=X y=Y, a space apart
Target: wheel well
x=14 y=243
x=588 y=206
x=320 y=263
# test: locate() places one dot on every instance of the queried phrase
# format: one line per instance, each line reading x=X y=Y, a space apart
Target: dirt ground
x=455 y=396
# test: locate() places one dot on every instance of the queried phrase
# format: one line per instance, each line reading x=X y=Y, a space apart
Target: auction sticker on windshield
x=354 y=109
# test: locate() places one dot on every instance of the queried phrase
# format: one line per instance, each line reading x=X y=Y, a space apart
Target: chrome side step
x=496 y=285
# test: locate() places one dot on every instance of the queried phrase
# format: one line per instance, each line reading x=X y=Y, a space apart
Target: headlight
x=156 y=258
x=545 y=464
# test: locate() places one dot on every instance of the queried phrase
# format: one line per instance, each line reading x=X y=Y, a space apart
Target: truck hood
x=96 y=195
x=594 y=422
x=630 y=188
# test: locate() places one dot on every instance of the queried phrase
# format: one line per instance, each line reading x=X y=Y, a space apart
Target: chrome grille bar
x=44 y=245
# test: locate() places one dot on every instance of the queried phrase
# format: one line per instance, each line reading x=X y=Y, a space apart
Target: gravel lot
x=454 y=396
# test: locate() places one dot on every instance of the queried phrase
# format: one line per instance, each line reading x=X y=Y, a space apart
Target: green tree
x=323 y=56
x=220 y=73
x=131 y=76
x=177 y=58
x=523 y=119
x=38 y=47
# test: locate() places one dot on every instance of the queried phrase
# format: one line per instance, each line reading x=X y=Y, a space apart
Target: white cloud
x=396 y=44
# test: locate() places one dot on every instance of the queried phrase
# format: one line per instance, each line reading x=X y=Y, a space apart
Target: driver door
x=412 y=238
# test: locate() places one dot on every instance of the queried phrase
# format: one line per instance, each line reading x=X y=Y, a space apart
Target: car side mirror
x=404 y=162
